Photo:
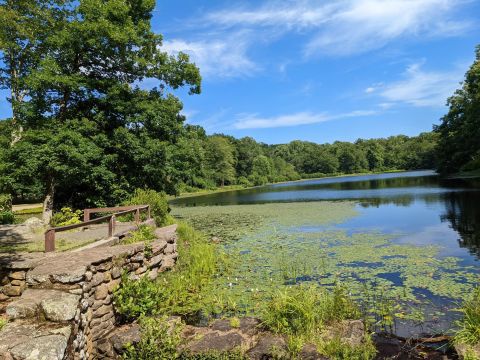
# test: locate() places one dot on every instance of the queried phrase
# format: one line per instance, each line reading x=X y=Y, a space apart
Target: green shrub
x=179 y=292
x=5 y=203
x=66 y=216
x=144 y=233
x=338 y=350
x=214 y=355
x=135 y=298
x=7 y=217
x=469 y=325
x=159 y=341
x=157 y=200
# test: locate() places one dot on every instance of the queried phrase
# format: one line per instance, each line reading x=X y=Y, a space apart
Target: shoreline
x=239 y=187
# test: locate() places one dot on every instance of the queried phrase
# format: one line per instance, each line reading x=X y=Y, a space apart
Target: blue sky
x=320 y=70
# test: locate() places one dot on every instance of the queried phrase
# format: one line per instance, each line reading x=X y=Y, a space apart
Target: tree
x=459 y=145
x=85 y=74
x=221 y=160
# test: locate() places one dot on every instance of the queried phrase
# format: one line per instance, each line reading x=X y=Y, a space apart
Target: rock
x=101 y=292
x=167 y=263
x=50 y=347
x=12 y=290
x=269 y=346
x=22 y=308
x=17 y=275
x=18 y=282
x=351 y=332
x=170 y=249
x=472 y=350
x=129 y=334
x=309 y=352
x=33 y=224
x=216 y=240
x=102 y=310
x=61 y=307
x=215 y=342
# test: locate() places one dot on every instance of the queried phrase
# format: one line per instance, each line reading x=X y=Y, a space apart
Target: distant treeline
x=217 y=160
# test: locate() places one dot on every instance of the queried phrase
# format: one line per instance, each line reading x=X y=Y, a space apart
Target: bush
x=137 y=298
x=5 y=203
x=7 y=217
x=158 y=203
x=66 y=216
x=159 y=341
x=144 y=234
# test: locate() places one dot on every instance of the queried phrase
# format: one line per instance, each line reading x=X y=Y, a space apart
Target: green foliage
x=5 y=202
x=157 y=200
x=338 y=350
x=66 y=216
x=135 y=298
x=469 y=326
x=305 y=311
x=7 y=217
x=458 y=146
x=144 y=233
x=179 y=292
x=159 y=341
x=3 y=322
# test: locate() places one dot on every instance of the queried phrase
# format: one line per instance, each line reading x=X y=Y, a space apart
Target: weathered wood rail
x=117 y=211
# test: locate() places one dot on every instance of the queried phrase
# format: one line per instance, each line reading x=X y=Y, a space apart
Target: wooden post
x=86 y=215
x=50 y=240
x=111 y=226
x=137 y=215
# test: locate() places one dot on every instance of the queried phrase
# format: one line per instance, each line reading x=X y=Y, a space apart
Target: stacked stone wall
x=75 y=290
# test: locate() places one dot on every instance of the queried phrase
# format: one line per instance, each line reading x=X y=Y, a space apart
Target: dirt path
x=17 y=238
x=26 y=206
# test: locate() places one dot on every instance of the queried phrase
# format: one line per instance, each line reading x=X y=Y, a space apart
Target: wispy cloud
x=254 y=121
x=343 y=27
x=221 y=57
x=423 y=88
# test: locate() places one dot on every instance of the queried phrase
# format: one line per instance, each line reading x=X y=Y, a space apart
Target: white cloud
x=253 y=121
x=423 y=88
x=217 y=57
x=370 y=90
x=343 y=27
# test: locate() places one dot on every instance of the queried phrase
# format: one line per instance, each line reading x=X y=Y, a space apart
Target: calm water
x=427 y=209
x=417 y=208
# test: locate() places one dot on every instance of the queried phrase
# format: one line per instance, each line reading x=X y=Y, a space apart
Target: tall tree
x=88 y=72
x=459 y=145
x=221 y=160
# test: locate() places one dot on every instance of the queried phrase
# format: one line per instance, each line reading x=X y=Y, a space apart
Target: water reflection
x=462 y=212
x=427 y=209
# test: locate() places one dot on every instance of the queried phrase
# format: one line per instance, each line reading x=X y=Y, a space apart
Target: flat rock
x=28 y=305
x=268 y=346
x=61 y=307
x=33 y=341
x=49 y=347
x=215 y=342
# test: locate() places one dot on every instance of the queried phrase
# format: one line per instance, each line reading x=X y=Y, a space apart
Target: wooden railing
x=117 y=211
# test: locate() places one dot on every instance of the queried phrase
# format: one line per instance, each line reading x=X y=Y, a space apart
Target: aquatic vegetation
x=273 y=246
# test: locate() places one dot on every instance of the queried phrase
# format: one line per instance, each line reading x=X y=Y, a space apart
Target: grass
x=469 y=325
x=305 y=313
x=144 y=233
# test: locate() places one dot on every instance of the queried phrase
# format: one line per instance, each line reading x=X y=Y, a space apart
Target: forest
x=84 y=132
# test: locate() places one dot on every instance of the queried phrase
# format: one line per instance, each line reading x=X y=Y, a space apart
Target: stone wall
x=67 y=297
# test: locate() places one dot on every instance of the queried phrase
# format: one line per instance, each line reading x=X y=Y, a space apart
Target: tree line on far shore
x=84 y=132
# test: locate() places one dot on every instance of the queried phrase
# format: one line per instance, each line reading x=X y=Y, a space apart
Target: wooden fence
x=117 y=211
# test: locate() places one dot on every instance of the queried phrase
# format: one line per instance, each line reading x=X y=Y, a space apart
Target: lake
x=411 y=237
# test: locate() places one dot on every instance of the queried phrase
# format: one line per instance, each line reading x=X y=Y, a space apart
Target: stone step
x=22 y=341
x=53 y=305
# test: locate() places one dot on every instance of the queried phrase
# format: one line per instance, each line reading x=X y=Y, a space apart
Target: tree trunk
x=48 y=203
